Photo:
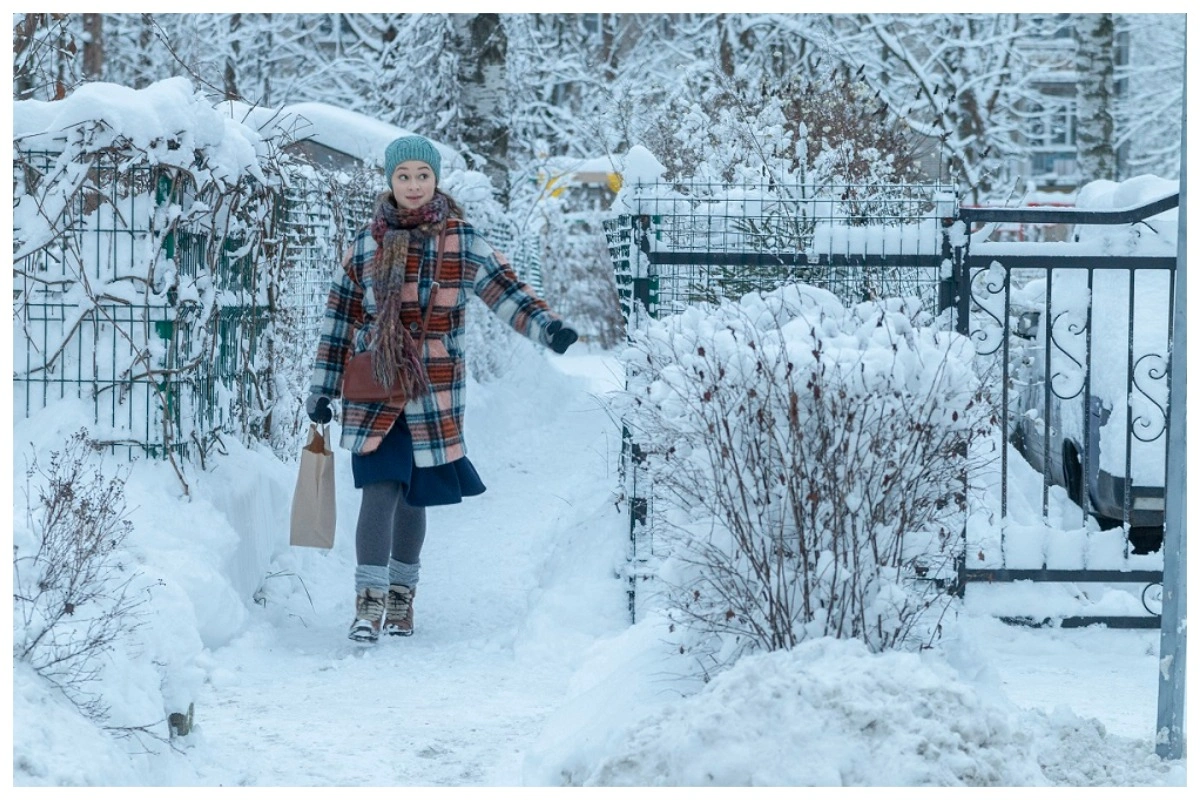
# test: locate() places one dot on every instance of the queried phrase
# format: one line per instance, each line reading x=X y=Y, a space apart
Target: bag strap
x=433 y=290
x=317 y=438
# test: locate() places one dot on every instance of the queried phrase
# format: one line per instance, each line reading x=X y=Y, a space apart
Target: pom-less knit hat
x=412 y=148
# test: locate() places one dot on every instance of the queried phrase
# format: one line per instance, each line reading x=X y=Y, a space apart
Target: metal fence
x=158 y=306
x=92 y=324
x=1076 y=339
x=677 y=245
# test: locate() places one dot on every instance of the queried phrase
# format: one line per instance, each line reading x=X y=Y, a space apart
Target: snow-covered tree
x=481 y=125
x=822 y=131
x=956 y=80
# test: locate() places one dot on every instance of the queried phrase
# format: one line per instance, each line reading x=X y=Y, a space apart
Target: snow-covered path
x=506 y=609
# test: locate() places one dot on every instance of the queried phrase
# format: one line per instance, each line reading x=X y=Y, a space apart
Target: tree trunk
x=144 y=67
x=608 y=46
x=1095 y=59
x=93 y=46
x=724 y=46
x=482 y=46
x=25 y=40
x=231 y=58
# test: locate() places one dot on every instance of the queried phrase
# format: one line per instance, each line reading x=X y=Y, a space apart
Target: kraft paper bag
x=314 y=512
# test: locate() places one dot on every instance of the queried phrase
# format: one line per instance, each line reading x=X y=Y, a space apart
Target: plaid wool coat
x=469 y=265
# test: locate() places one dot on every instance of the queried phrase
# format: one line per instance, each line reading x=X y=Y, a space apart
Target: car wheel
x=1146 y=539
x=1073 y=474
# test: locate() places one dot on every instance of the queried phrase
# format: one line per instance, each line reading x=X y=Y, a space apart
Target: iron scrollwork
x=1150 y=367
x=1063 y=382
x=988 y=336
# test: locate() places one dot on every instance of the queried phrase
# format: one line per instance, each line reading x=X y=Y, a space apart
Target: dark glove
x=559 y=337
x=318 y=409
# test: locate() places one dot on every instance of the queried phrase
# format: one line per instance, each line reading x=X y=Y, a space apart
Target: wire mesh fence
x=147 y=299
x=88 y=322
x=705 y=242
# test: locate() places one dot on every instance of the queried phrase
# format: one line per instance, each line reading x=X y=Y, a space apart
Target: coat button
x=414 y=327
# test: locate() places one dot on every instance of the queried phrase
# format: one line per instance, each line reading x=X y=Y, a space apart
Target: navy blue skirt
x=423 y=486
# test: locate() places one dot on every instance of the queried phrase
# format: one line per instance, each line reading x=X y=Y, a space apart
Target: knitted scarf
x=395 y=230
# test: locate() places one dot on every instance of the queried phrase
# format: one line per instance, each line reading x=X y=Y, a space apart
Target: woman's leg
x=408 y=536
x=373 y=537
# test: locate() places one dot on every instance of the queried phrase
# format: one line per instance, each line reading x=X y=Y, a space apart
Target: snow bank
x=830 y=713
x=198 y=563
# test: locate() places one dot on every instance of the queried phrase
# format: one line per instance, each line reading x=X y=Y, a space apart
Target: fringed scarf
x=395 y=230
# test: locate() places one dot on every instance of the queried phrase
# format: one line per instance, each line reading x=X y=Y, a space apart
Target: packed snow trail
x=515 y=585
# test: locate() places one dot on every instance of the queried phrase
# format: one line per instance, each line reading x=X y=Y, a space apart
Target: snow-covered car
x=1089 y=373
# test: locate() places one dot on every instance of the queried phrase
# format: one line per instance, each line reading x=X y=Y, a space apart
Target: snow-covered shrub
x=72 y=595
x=808 y=463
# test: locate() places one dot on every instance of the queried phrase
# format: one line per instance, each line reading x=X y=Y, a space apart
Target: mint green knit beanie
x=412 y=148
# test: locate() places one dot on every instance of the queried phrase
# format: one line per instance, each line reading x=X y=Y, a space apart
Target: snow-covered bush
x=73 y=591
x=808 y=463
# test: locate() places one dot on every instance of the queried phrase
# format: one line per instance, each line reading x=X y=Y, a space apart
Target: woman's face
x=413 y=184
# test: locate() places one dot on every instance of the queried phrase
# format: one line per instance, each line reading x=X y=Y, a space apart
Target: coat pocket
x=443 y=369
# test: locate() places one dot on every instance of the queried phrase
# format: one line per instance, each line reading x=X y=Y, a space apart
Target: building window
x=1052 y=124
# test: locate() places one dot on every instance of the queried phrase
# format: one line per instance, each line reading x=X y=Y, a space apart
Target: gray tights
x=389 y=538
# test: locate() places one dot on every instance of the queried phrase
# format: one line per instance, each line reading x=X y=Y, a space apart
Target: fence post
x=1172 y=648
x=949 y=269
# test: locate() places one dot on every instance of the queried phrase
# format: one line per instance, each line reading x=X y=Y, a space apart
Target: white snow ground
x=524 y=669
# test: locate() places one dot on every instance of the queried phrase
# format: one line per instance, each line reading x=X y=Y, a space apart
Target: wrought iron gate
x=1079 y=337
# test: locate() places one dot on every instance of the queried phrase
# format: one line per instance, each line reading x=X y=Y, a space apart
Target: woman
x=407 y=457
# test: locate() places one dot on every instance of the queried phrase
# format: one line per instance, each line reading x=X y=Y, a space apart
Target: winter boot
x=400 y=610
x=368 y=615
